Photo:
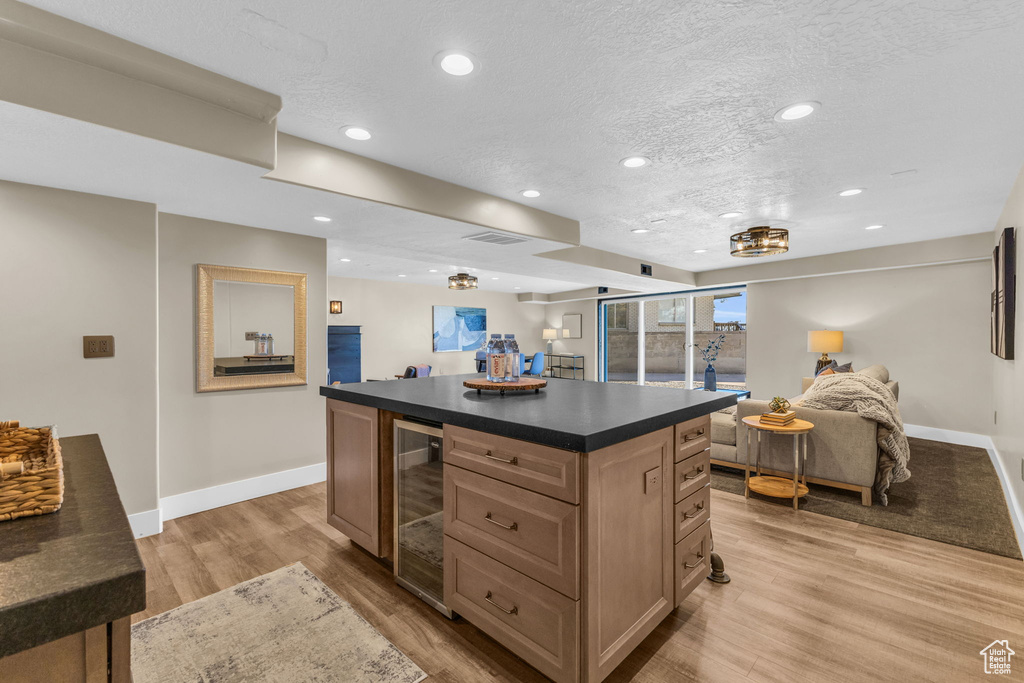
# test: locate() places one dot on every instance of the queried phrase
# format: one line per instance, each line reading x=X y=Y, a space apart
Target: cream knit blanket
x=872 y=400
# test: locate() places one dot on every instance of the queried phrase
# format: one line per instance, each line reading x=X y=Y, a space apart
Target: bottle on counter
x=270 y=344
x=496 y=359
x=512 y=366
x=261 y=345
x=256 y=344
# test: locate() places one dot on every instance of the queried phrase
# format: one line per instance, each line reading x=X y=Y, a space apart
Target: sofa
x=842 y=449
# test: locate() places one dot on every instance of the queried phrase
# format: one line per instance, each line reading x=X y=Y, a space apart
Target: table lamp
x=824 y=342
x=550 y=333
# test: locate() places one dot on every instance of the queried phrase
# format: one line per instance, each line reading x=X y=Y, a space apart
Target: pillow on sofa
x=835 y=368
x=879 y=372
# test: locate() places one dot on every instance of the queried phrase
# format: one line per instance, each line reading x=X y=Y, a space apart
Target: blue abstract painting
x=459 y=328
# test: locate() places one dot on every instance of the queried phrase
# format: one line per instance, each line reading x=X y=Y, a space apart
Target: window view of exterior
x=665 y=334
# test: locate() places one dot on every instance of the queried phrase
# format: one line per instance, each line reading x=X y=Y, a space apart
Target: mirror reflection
x=253 y=328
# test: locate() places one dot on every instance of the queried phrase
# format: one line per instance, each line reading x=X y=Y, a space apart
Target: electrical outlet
x=98 y=346
x=652 y=480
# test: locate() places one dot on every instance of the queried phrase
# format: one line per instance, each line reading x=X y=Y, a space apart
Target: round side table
x=777 y=487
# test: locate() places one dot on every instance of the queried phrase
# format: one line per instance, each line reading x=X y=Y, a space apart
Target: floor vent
x=495 y=238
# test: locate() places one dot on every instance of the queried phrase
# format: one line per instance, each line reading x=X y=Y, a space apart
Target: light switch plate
x=251 y=336
x=652 y=480
x=101 y=346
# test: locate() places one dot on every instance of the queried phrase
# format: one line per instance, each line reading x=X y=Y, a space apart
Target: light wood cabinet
x=354 y=473
x=101 y=654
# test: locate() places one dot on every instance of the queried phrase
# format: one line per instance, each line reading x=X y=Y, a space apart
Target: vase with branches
x=710 y=354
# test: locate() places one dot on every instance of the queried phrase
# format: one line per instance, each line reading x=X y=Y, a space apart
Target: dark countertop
x=571 y=414
x=74 y=569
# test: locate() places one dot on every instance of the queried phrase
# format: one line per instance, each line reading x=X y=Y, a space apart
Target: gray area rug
x=282 y=626
x=423 y=538
x=952 y=496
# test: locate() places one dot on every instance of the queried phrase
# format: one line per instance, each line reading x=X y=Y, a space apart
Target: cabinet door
x=353 y=473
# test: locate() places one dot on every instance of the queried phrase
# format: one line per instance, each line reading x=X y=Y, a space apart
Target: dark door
x=344 y=344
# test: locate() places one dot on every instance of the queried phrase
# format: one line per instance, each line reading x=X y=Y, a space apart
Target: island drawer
x=693 y=436
x=551 y=471
x=533 y=621
x=692 y=511
x=692 y=474
x=533 y=534
x=693 y=560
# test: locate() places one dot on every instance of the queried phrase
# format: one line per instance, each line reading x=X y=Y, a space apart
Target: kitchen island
x=574 y=519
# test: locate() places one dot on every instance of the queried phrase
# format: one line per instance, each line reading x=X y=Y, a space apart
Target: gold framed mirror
x=250 y=328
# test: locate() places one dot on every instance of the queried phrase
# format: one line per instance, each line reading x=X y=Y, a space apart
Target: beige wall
x=397 y=323
x=587 y=346
x=1008 y=375
x=78 y=264
x=220 y=437
x=928 y=325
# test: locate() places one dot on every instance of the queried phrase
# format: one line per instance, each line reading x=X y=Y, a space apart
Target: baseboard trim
x=978 y=441
x=146 y=523
x=235 y=492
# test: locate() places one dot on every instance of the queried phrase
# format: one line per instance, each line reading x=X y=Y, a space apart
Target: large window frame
x=689 y=295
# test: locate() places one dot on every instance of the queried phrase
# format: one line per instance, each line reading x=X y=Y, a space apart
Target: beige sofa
x=842 y=450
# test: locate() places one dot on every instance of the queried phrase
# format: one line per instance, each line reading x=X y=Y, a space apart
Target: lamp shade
x=550 y=333
x=825 y=341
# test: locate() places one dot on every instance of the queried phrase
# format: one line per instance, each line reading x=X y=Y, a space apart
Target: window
x=618 y=316
x=672 y=312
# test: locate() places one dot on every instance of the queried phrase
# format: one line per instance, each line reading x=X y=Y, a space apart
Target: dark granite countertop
x=570 y=414
x=74 y=569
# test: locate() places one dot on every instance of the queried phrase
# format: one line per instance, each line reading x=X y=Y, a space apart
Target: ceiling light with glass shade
x=462 y=281
x=762 y=240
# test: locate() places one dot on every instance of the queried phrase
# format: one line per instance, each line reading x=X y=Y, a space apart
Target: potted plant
x=710 y=354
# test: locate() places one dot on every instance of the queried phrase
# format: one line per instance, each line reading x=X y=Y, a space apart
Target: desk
x=566 y=366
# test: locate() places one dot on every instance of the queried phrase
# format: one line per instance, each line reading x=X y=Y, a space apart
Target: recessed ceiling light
x=639 y=231
x=455 y=62
x=432 y=270
x=494 y=278
x=530 y=193
x=322 y=219
x=700 y=251
x=635 y=162
x=874 y=227
x=401 y=276
x=357 y=133
x=344 y=260
x=852 y=191
x=796 y=111
x=730 y=214
x=517 y=288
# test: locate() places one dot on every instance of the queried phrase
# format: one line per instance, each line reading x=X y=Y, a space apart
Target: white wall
x=928 y=325
x=585 y=346
x=397 y=323
x=1008 y=375
x=220 y=437
x=78 y=264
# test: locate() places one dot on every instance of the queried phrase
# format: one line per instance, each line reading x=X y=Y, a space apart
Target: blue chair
x=536 y=365
x=481 y=361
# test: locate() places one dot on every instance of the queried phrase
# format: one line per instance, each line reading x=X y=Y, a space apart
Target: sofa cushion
x=723 y=428
x=879 y=372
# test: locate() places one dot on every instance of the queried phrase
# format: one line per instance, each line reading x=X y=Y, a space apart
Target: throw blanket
x=872 y=400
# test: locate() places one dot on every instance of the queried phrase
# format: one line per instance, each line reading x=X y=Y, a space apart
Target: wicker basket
x=31 y=471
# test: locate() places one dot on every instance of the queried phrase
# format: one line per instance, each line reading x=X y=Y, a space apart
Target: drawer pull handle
x=699 y=508
x=694 y=435
x=700 y=557
x=698 y=470
x=514 y=610
x=512 y=461
x=490 y=519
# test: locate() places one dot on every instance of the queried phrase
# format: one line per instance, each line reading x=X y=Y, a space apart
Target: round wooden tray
x=776 y=487
x=522 y=384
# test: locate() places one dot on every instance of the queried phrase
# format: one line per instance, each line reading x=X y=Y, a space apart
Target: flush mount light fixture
x=635 y=162
x=730 y=214
x=530 y=194
x=700 y=251
x=455 y=62
x=344 y=260
x=874 y=227
x=851 y=192
x=322 y=219
x=335 y=307
x=796 y=111
x=357 y=133
x=760 y=241
x=462 y=281
x=639 y=231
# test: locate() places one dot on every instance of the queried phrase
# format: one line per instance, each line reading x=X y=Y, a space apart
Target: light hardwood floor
x=812 y=598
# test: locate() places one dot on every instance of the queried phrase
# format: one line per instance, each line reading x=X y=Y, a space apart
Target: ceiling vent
x=499 y=238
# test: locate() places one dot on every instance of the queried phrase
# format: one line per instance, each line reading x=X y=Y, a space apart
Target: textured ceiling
x=564 y=90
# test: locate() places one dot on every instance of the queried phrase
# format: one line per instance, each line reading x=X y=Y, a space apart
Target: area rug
x=424 y=538
x=284 y=626
x=952 y=496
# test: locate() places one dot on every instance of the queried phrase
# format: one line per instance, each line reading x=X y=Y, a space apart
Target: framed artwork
x=572 y=325
x=459 y=328
x=1004 y=295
